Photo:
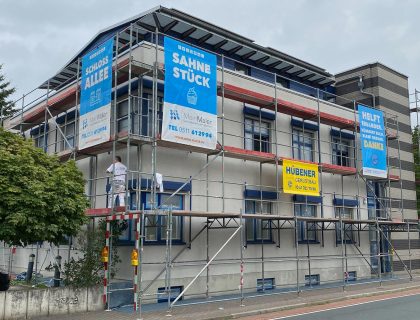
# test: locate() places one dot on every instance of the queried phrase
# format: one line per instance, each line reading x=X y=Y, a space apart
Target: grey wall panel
x=351 y=86
x=398 y=266
x=402 y=244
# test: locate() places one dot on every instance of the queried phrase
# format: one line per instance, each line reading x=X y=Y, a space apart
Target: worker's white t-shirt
x=120 y=171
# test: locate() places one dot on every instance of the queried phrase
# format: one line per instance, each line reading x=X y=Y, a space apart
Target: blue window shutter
x=262 y=75
x=307 y=199
x=305 y=125
x=256 y=113
x=62 y=119
x=344 y=135
x=38 y=129
x=256 y=194
x=345 y=202
x=167 y=185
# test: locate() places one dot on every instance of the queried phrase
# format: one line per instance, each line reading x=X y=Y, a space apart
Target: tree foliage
x=88 y=270
x=417 y=164
x=41 y=199
x=6 y=106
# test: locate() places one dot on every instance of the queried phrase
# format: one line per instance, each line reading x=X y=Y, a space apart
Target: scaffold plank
x=239 y=153
x=101 y=212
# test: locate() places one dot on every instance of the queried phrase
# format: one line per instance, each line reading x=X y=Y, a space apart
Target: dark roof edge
x=204 y=25
x=370 y=65
x=246 y=41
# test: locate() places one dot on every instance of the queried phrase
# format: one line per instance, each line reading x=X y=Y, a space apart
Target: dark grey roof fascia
x=242 y=40
x=184 y=17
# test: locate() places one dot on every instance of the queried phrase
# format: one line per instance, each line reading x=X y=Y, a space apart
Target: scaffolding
x=138 y=129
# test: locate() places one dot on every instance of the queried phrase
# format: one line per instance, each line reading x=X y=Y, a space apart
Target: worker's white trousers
x=118 y=187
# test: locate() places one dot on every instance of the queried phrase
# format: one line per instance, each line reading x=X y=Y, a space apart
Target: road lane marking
x=342 y=307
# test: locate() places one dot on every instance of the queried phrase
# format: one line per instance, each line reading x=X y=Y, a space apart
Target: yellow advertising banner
x=300 y=178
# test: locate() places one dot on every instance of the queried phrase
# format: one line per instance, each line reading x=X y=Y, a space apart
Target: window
x=257 y=230
x=174 y=292
x=341 y=152
x=282 y=82
x=346 y=213
x=141 y=118
x=40 y=139
x=265 y=284
x=242 y=68
x=302 y=142
x=312 y=280
x=68 y=130
x=146 y=116
x=257 y=135
x=306 y=230
x=377 y=200
x=351 y=276
x=155 y=228
x=122 y=116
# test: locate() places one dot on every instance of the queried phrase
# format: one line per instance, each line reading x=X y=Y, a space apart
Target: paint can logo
x=192 y=96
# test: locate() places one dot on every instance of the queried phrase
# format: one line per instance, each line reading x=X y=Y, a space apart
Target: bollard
x=30 y=269
x=57 y=275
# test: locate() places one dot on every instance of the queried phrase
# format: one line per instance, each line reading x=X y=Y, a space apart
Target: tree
x=417 y=165
x=41 y=199
x=6 y=106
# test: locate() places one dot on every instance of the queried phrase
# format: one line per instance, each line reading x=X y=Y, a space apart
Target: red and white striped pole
x=135 y=262
x=242 y=276
x=105 y=259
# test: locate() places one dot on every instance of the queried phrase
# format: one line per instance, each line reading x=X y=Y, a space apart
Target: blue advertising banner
x=95 y=96
x=373 y=142
x=190 y=97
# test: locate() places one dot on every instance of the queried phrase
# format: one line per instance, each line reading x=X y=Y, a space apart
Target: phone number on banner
x=198 y=133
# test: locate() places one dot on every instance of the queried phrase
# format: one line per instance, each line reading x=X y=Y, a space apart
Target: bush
x=89 y=269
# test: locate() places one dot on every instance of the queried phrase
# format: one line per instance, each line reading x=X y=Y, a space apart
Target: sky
x=37 y=37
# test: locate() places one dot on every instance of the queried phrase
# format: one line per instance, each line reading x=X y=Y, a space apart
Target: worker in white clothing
x=118 y=183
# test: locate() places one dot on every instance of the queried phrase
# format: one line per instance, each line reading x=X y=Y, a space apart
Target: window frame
x=257 y=223
x=337 y=154
x=129 y=239
x=351 y=276
x=141 y=115
x=312 y=280
x=299 y=132
x=172 y=289
x=242 y=68
x=61 y=143
x=347 y=227
x=146 y=99
x=259 y=140
x=302 y=229
x=160 y=237
x=269 y=284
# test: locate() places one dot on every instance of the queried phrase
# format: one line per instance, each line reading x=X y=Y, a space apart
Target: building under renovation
x=206 y=203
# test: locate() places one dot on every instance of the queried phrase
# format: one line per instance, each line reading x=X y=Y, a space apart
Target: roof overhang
x=188 y=28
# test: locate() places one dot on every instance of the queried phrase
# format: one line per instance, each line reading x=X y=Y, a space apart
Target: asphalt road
x=399 y=308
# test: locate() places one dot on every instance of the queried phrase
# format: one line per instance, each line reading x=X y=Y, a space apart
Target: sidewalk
x=253 y=306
